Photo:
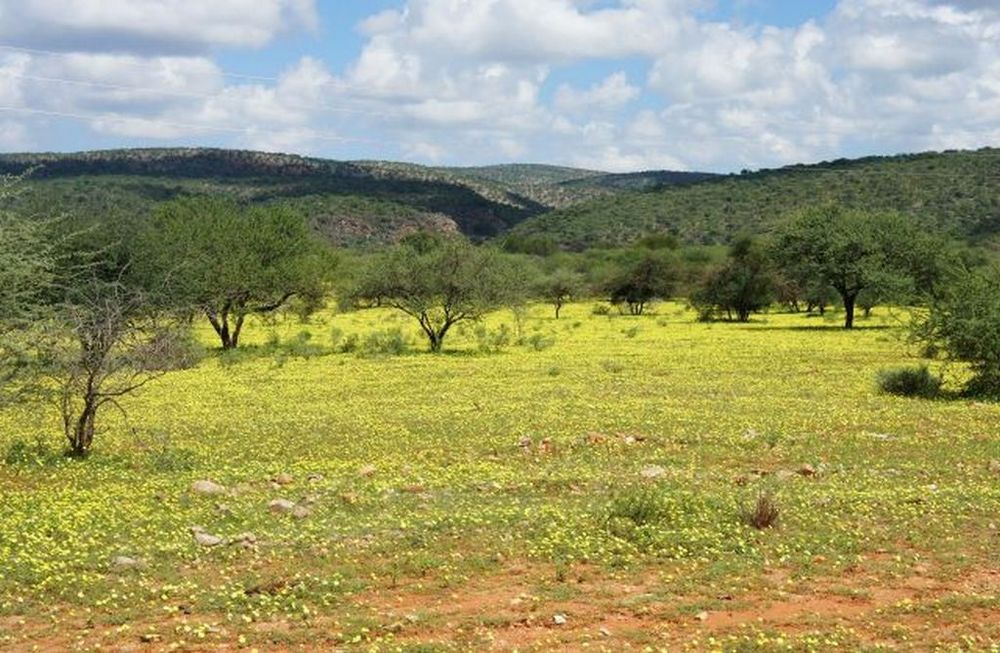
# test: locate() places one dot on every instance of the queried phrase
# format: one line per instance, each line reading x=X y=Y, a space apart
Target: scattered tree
x=963 y=321
x=440 y=281
x=28 y=260
x=851 y=250
x=105 y=344
x=560 y=287
x=635 y=285
x=230 y=262
x=741 y=286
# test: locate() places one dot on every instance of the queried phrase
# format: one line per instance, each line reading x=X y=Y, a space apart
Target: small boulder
x=701 y=616
x=207 y=487
x=301 y=512
x=202 y=538
x=559 y=619
x=652 y=472
x=245 y=540
x=281 y=506
x=994 y=467
x=283 y=479
x=367 y=471
x=314 y=478
x=524 y=443
x=807 y=470
x=123 y=563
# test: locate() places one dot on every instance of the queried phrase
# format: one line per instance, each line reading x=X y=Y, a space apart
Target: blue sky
x=611 y=84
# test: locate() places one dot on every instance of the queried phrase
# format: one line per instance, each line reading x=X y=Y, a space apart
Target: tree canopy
x=852 y=250
x=441 y=281
x=230 y=261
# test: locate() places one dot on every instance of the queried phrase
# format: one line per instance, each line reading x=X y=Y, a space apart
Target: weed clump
x=909 y=382
x=762 y=514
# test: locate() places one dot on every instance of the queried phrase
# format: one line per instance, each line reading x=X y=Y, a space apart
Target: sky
x=617 y=85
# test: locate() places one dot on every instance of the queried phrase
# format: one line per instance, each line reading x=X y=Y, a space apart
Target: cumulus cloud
x=614 y=92
x=150 y=25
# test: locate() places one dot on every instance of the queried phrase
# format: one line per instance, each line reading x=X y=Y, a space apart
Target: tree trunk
x=221 y=326
x=558 y=307
x=83 y=430
x=849 y=310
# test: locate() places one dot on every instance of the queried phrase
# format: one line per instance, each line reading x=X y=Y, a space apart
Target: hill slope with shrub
x=349 y=202
x=955 y=192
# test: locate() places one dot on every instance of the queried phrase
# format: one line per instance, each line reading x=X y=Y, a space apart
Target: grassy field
x=583 y=492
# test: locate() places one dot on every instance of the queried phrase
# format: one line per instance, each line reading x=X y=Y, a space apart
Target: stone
x=301 y=512
x=559 y=620
x=994 y=467
x=653 y=471
x=283 y=479
x=367 y=471
x=202 y=538
x=701 y=616
x=314 y=478
x=604 y=632
x=123 y=563
x=807 y=470
x=283 y=506
x=208 y=487
x=524 y=443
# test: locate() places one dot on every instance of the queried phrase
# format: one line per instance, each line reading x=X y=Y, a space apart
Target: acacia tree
x=852 y=250
x=640 y=282
x=963 y=321
x=28 y=264
x=440 y=282
x=559 y=288
x=741 y=286
x=106 y=343
x=230 y=262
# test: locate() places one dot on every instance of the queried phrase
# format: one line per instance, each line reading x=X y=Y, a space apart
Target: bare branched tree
x=110 y=344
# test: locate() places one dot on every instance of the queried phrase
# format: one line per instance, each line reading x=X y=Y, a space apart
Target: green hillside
x=956 y=192
x=351 y=203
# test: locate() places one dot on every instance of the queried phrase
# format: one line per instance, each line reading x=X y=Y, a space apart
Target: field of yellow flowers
x=580 y=489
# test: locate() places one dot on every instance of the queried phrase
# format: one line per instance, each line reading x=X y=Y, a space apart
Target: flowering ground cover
x=582 y=490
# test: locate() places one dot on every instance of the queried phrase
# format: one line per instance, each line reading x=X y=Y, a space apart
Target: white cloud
x=612 y=93
x=151 y=25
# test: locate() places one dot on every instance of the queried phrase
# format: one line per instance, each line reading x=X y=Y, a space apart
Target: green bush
x=538 y=341
x=493 y=341
x=600 y=309
x=21 y=453
x=909 y=382
x=391 y=342
x=964 y=324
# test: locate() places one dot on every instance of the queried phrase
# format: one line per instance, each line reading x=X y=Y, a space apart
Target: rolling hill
x=368 y=202
x=957 y=192
x=351 y=203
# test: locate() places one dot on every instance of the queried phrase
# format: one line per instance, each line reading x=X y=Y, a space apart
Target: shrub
x=538 y=342
x=762 y=514
x=391 y=342
x=909 y=382
x=170 y=459
x=631 y=332
x=612 y=366
x=640 y=505
x=302 y=346
x=964 y=324
x=492 y=341
x=600 y=309
x=21 y=453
